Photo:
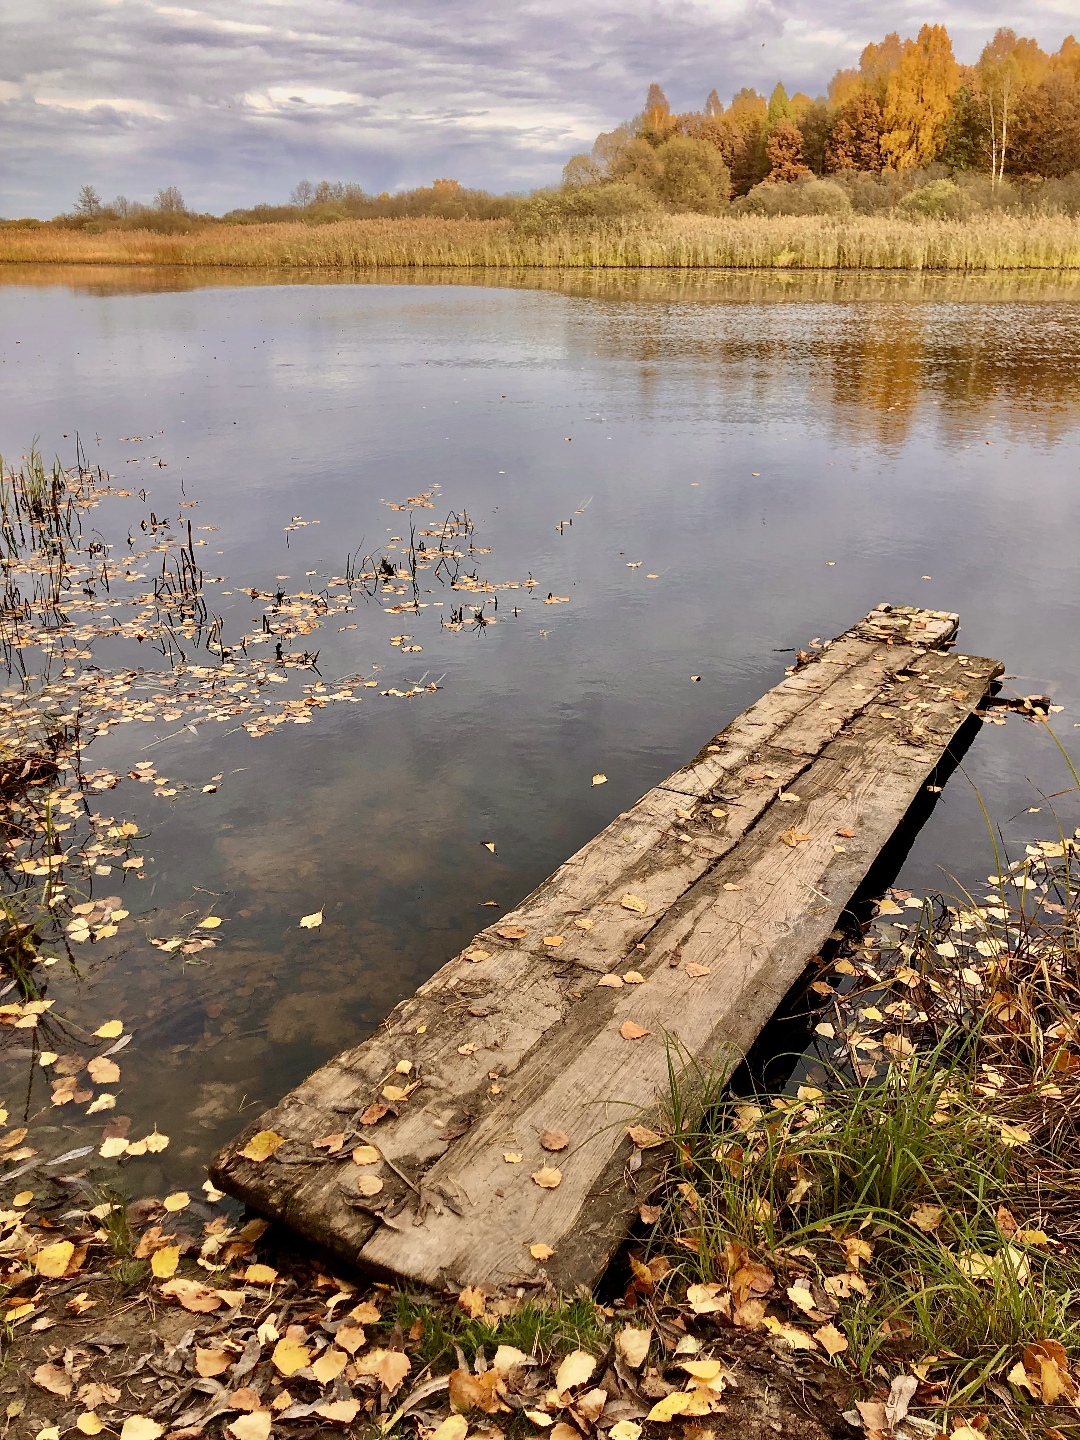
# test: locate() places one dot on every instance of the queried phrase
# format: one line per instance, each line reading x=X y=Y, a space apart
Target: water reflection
x=779 y=451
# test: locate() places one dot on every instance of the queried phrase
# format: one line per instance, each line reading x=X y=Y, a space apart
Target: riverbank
x=893 y=1247
x=999 y=243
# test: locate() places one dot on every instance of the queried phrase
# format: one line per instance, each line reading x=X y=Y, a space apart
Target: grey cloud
x=201 y=95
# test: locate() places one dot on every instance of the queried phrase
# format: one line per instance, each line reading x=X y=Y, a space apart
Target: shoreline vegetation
x=686 y=241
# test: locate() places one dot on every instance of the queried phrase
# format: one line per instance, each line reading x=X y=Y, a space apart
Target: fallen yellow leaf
x=311 y=922
x=53 y=1260
x=547 y=1178
x=262 y=1145
x=635 y=903
x=163 y=1262
x=109 y=1031
x=290 y=1356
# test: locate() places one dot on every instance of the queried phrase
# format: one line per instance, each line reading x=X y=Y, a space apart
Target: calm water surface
x=779 y=456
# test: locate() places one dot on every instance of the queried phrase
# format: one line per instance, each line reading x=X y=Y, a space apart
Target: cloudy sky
x=235 y=100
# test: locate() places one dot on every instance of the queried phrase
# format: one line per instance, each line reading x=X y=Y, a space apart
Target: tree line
x=1012 y=118
x=909 y=129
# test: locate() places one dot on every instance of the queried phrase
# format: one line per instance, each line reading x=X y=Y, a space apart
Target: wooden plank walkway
x=706 y=900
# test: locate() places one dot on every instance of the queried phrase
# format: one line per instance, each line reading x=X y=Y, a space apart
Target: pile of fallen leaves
x=191 y=1331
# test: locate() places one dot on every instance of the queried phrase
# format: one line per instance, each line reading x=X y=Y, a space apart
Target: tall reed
x=998 y=243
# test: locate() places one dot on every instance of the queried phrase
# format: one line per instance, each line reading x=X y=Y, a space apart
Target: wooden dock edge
x=686 y=919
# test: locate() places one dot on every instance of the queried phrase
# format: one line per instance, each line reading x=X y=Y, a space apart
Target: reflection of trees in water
x=873 y=349
x=871 y=368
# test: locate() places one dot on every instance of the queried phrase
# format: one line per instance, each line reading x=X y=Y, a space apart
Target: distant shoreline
x=674 y=242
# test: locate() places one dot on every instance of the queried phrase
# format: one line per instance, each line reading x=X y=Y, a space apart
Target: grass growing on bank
x=688 y=241
x=915 y=1213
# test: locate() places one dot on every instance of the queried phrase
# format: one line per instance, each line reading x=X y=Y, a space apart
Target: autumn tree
x=779 y=106
x=879 y=62
x=918 y=95
x=1007 y=67
x=692 y=175
x=784 y=151
x=89 y=202
x=714 y=105
x=1047 y=128
x=656 y=123
x=854 y=141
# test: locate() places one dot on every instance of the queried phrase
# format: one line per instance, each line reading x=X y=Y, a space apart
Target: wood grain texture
x=515 y=1035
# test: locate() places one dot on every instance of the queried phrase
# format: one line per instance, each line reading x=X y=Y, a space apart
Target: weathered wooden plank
x=522 y=1038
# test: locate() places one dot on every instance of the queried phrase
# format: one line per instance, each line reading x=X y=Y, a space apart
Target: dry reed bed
x=680 y=242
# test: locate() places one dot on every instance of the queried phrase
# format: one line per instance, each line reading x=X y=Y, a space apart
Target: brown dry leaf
x=341 y=1412
x=554 y=1140
x=373 y=1113
x=476 y=1392
x=547 y=1178
x=796 y=1338
x=505 y=1358
x=926 y=1217
x=612 y=982
x=290 y=1356
x=846 y=834
x=330 y=1143
x=254 y=1426
x=55 y=1379
x=163 y=1262
x=589 y=1407
x=260 y=1275
x=541 y=1252
x=209 y=1363
x=708 y=1299
x=857 y=1249
x=329 y=1365
x=199 y=1299
x=635 y=903
x=795 y=837
x=574 y=1371
x=53 y=1260
x=696 y=971
x=831 y=1340
x=262 y=1145
x=103 y=1071
x=630 y=1030
x=681 y=1402
x=388 y=1366
x=472 y=1301
x=141 y=1427
x=244 y=1399
x=368 y=1185
x=633 y=1345
x=351 y=1338
x=365 y=1313
x=454 y=1427
x=802 y=1298
x=511 y=932
x=749 y=1315
x=365 y=1155
x=643 y=1137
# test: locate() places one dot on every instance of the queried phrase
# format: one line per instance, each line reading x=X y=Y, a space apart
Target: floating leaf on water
x=311 y=922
